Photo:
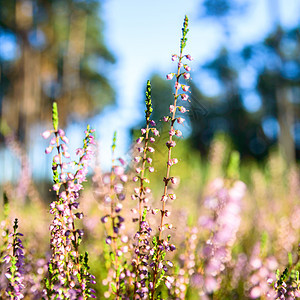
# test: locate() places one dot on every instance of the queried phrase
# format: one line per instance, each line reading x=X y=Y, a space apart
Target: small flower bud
x=151 y=169
x=184 y=87
x=139 y=140
x=189 y=57
x=180 y=120
x=172 y=108
x=46 y=134
x=184 y=97
x=186 y=76
x=155 y=132
x=170 y=76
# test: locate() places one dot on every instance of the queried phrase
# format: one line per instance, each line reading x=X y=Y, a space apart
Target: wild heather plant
x=69 y=276
x=15 y=260
x=143 y=163
x=113 y=184
x=233 y=247
x=162 y=243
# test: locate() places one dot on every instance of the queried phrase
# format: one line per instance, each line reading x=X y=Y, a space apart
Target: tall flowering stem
x=114 y=223
x=15 y=273
x=162 y=245
x=68 y=269
x=143 y=164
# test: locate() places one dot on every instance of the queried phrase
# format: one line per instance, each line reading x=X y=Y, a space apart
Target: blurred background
x=94 y=58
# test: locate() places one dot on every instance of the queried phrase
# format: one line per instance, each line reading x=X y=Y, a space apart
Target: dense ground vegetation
x=166 y=225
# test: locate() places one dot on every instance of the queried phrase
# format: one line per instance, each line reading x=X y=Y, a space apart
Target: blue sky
x=144 y=34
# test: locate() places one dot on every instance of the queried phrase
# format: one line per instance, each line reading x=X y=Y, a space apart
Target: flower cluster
x=163 y=244
x=15 y=273
x=113 y=196
x=143 y=163
x=187 y=262
x=225 y=204
x=68 y=270
x=262 y=273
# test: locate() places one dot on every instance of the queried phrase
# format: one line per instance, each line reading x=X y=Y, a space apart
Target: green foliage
x=55 y=116
x=185 y=30
x=149 y=108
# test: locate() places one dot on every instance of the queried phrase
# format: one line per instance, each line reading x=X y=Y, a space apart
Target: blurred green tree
x=51 y=50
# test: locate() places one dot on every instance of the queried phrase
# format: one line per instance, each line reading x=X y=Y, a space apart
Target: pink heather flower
x=79 y=152
x=53 y=141
x=152 y=140
x=65 y=139
x=143 y=130
x=172 y=108
x=180 y=120
x=210 y=284
x=139 y=140
x=48 y=149
x=182 y=109
x=152 y=123
x=135 y=179
x=178 y=133
x=255 y=292
x=174 y=57
x=61 y=133
x=170 y=76
x=172 y=196
x=166 y=119
x=187 y=68
x=175 y=161
x=149 y=160
x=63 y=195
x=138 y=170
x=124 y=178
x=189 y=57
x=164 y=198
x=66 y=154
x=180 y=65
x=174 y=180
x=172 y=132
x=63 y=176
x=185 y=88
x=171 y=144
x=56 y=159
x=137 y=159
x=186 y=75
x=151 y=169
x=64 y=147
x=141 y=149
x=118 y=170
x=122 y=161
x=177 y=85
x=56 y=187
x=150 y=149
x=184 y=97
x=46 y=134
x=155 y=132
x=155 y=211
x=167 y=213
